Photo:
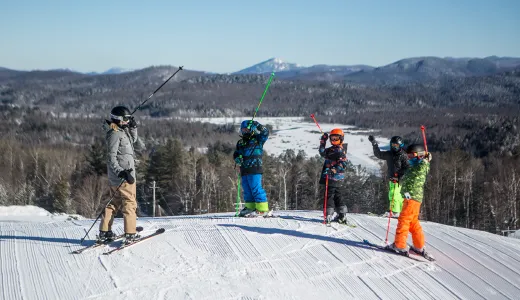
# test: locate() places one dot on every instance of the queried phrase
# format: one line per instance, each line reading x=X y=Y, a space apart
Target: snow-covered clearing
x=300 y=133
x=218 y=256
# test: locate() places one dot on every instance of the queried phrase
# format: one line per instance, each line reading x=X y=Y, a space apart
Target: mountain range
x=415 y=69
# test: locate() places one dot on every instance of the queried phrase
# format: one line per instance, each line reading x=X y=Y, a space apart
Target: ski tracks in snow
x=222 y=257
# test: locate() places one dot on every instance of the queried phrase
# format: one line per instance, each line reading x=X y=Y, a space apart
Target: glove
x=256 y=127
x=239 y=160
x=372 y=140
x=394 y=179
x=324 y=137
x=428 y=157
x=127 y=175
x=132 y=123
x=259 y=128
x=328 y=171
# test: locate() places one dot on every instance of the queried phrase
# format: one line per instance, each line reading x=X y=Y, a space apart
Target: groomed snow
x=217 y=256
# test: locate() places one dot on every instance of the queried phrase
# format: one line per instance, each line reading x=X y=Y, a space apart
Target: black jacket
x=397 y=161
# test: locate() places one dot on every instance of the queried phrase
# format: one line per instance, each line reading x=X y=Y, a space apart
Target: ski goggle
x=124 y=118
x=395 y=145
x=416 y=155
x=335 y=138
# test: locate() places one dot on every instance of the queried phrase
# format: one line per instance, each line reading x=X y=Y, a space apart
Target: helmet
x=245 y=129
x=416 y=151
x=336 y=132
x=396 y=143
x=120 y=113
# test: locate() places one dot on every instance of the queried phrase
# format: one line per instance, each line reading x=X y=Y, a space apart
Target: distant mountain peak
x=273 y=64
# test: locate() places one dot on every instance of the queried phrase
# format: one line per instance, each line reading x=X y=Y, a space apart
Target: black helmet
x=416 y=150
x=120 y=113
x=396 y=140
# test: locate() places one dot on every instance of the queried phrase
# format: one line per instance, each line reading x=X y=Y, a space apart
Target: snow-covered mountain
x=270 y=65
x=114 y=70
x=219 y=256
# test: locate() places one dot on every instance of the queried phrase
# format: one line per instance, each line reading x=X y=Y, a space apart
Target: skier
x=248 y=155
x=121 y=134
x=334 y=167
x=413 y=190
x=397 y=163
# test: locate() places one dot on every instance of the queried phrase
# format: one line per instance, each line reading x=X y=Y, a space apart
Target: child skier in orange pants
x=412 y=190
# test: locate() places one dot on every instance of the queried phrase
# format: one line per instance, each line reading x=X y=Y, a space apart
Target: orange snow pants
x=409 y=222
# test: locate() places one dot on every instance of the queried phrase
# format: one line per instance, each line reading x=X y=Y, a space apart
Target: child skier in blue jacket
x=248 y=155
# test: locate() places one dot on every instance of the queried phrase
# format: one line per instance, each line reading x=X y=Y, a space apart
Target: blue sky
x=226 y=36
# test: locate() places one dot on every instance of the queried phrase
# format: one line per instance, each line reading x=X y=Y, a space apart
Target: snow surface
x=218 y=256
x=302 y=133
x=30 y=213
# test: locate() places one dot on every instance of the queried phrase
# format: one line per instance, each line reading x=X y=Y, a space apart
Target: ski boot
x=245 y=212
x=341 y=219
x=105 y=237
x=422 y=252
x=130 y=238
x=400 y=251
x=328 y=220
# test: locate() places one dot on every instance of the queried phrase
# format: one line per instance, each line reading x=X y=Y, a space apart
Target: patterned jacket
x=336 y=162
x=414 y=180
x=251 y=151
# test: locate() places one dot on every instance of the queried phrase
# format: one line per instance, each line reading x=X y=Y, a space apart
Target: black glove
x=127 y=175
x=132 y=123
x=324 y=137
x=372 y=140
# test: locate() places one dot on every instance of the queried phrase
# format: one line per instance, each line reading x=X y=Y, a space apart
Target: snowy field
x=218 y=256
x=302 y=133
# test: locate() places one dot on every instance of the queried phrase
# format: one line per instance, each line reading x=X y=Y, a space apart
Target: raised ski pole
x=424 y=138
x=325 y=200
x=102 y=211
x=263 y=95
x=314 y=118
x=151 y=95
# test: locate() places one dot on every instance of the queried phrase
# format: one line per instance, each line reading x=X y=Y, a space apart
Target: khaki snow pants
x=125 y=199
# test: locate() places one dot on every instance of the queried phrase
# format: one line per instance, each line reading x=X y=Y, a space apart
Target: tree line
x=60 y=165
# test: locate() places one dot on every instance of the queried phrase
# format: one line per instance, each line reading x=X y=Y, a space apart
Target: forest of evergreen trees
x=60 y=164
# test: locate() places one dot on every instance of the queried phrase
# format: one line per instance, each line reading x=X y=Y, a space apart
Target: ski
x=268 y=215
x=98 y=244
x=425 y=255
x=123 y=246
x=388 y=249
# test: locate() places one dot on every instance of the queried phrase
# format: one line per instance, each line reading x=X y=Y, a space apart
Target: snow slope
x=302 y=133
x=217 y=256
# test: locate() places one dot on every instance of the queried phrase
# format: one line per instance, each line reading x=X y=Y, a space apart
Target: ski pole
x=238 y=195
x=151 y=95
x=314 y=118
x=325 y=200
x=390 y=215
x=263 y=95
x=102 y=211
x=424 y=139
